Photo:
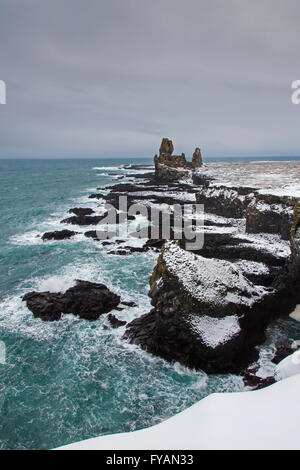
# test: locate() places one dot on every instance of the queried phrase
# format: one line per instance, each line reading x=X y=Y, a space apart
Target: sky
x=110 y=78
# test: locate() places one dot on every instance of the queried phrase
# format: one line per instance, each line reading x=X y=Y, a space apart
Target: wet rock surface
x=86 y=299
x=115 y=322
x=59 y=235
x=81 y=211
x=206 y=315
x=82 y=219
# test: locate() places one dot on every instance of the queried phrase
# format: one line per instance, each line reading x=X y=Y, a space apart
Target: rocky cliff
x=169 y=167
x=211 y=307
x=207 y=315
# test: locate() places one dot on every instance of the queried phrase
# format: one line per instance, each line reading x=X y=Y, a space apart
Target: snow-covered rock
x=207 y=315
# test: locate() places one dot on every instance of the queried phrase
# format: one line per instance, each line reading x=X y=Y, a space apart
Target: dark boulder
x=115 y=322
x=91 y=234
x=129 y=303
x=45 y=305
x=84 y=219
x=86 y=299
x=81 y=211
x=59 y=235
x=197 y=158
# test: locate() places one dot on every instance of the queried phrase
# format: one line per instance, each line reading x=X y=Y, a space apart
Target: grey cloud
x=97 y=78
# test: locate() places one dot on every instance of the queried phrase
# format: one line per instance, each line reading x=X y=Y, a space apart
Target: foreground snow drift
x=263 y=419
x=288 y=367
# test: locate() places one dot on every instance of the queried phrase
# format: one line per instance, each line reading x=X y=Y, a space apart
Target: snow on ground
x=251 y=267
x=291 y=190
x=215 y=331
x=270 y=242
x=269 y=177
x=181 y=196
x=263 y=419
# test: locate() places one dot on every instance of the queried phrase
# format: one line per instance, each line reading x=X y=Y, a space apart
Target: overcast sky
x=110 y=78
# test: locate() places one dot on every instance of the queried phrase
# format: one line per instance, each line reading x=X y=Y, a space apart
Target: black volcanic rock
x=206 y=314
x=86 y=299
x=59 y=235
x=81 y=211
x=129 y=303
x=257 y=383
x=83 y=220
x=115 y=322
x=91 y=234
x=45 y=305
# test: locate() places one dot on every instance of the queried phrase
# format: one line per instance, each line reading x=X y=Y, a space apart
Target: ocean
x=71 y=380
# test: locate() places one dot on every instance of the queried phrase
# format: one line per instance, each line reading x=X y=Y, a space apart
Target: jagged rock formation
x=197 y=158
x=170 y=167
x=266 y=213
x=115 y=322
x=206 y=314
x=86 y=299
x=82 y=219
x=288 y=282
x=295 y=241
x=212 y=306
x=59 y=235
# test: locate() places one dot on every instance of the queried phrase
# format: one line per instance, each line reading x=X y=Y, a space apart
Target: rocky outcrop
x=197 y=159
x=82 y=219
x=269 y=214
x=86 y=299
x=166 y=147
x=81 y=211
x=59 y=235
x=264 y=213
x=288 y=282
x=224 y=201
x=115 y=322
x=170 y=167
x=206 y=314
x=295 y=243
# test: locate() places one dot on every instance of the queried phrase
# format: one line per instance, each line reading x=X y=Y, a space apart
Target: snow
x=296 y=313
x=262 y=206
x=181 y=196
x=269 y=242
x=210 y=280
x=289 y=190
x=263 y=419
x=279 y=178
x=251 y=267
x=215 y=331
x=288 y=367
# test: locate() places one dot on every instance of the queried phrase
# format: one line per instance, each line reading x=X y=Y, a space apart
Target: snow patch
x=210 y=280
x=215 y=331
x=296 y=313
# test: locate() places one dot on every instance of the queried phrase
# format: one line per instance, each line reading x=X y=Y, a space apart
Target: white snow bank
x=288 y=367
x=262 y=419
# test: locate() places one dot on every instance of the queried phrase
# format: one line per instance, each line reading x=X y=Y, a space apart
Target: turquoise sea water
x=71 y=380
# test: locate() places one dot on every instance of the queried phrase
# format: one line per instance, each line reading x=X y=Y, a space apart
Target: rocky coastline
x=211 y=306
